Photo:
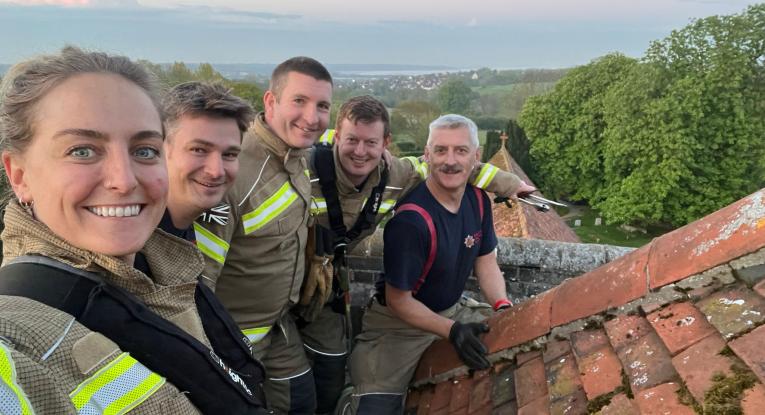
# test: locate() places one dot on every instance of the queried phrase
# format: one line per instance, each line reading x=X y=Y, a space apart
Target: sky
x=464 y=34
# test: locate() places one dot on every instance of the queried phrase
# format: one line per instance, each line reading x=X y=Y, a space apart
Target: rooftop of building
x=673 y=327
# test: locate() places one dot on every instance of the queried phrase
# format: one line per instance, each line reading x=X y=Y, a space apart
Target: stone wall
x=530 y=266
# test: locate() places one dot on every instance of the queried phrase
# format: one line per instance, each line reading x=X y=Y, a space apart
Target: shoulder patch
x=219 y=214
x=92 y=350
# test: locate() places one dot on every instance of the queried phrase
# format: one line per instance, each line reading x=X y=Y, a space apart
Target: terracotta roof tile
x=734 y=310
x=524 y=221
x=555 y=349
x=585 y=343
x=697 y=363
x=620 y=405
x=574 y=404
x=509 y=408
x=530 y=382
x=503 y=385
x=539 y=406
x=626 y=329
x=645 y=359
x=662 y=399
x=519 y=324
x=680 y=326
x=481 y=392
x=442 y=396
x=611 y=285
x=753 y=400
x=750 y=349
x=423 y=404
x=461 y=389
x=599 y=368
x=562 y=377
x=716 y=239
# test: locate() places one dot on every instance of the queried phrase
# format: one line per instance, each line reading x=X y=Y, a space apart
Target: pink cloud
x=67 y=3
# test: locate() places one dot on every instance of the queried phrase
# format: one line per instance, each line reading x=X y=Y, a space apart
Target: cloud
x=75 y=3
x=473 y=22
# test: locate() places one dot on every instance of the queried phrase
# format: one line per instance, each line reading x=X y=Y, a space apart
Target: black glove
x=464 y=338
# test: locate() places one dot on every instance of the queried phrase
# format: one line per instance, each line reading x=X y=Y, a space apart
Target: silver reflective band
x=117 y=388
x=13 y=401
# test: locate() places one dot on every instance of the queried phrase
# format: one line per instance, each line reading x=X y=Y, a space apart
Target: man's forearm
x=490 y=278
x=416 y=314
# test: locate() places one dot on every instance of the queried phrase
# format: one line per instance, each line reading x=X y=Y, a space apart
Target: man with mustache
x=442 y=232
x=367 y=188
x=255 y=241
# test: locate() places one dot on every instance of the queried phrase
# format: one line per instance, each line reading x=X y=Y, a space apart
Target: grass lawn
x=493 y=89
x=607 y=234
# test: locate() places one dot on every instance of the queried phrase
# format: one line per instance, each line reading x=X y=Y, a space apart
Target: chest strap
x=219 y=380
x=324 y=164
x=411 y=207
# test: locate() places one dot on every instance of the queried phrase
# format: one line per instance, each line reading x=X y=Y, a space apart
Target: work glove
x=464 y=338
x=317 y=287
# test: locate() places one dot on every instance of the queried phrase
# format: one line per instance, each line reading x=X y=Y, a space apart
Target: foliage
x=518 y=145
x=665 y=140
x=178 y=73
x=412 y=118
x=566 y=125
x=491 y=145
x=490 y=123
x=454 y=97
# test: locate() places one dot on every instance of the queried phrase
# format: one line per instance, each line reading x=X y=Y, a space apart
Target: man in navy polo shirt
x=442 y=231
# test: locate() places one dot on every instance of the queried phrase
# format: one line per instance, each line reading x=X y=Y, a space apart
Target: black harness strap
x=229 y=383
x=324 y=165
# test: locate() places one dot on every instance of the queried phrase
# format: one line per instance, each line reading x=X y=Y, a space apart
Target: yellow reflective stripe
x=328 y=137
x=307 y=173
x=256 y=334
x=419 y=166
x=318 y=205
x=387 y=205
x=13 y=401
x=271 y=208
x=117 y=388
x=485 y=176
x=210 y=245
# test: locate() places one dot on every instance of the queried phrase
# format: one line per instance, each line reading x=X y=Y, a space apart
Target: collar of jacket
x=173 y=261
x=343 y=182
x=273 y=143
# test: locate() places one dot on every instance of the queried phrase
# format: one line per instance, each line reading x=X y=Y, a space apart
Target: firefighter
x=353 y=189
x=255 y=254
x=441 y=233
x=81 y=329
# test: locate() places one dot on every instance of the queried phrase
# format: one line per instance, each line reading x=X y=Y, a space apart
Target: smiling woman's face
x=93 y=170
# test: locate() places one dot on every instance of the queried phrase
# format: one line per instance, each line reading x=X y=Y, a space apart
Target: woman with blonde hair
x=81 y=330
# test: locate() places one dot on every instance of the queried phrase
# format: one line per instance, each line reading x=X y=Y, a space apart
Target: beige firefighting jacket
x=255 y=240
x=50 y=364
x=403 y=175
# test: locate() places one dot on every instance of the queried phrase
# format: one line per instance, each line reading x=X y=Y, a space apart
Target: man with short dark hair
x=204 y=126
x=442 y=232
x=255 y=242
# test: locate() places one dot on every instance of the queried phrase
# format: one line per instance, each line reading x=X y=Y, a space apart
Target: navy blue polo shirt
x=461 y=238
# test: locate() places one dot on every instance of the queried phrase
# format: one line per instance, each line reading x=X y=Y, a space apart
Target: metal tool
x=539 y=202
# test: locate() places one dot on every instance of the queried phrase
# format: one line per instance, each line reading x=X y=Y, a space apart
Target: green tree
x=454 y=96
x=248 y=91
x=176 y=74
x=410 y=119
x=491 y=145
x=565 y=127
x=206 y=72
x=684 y=134
x=666 y=140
